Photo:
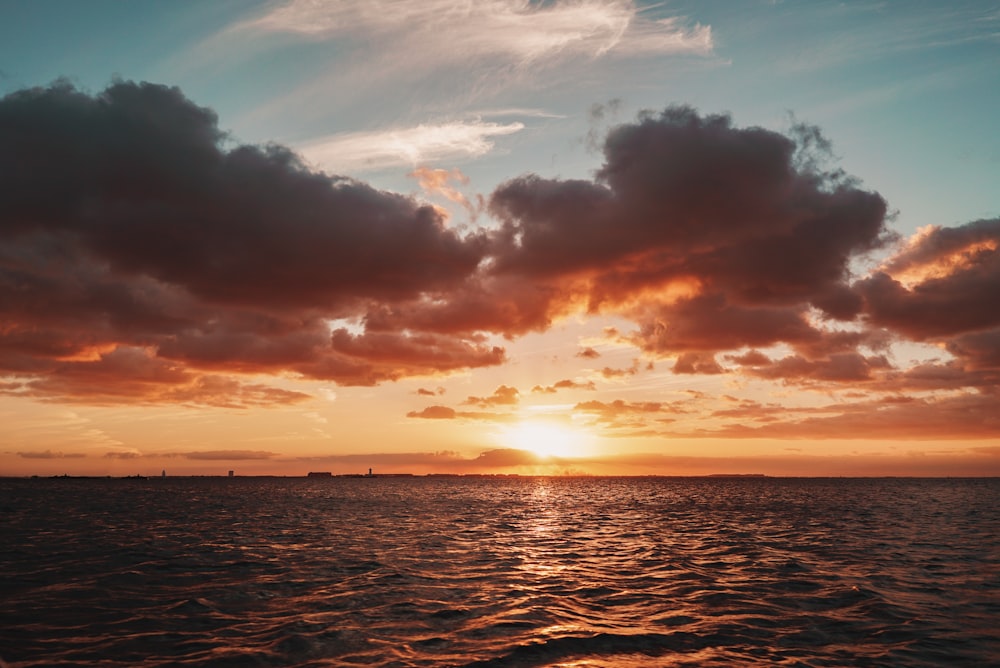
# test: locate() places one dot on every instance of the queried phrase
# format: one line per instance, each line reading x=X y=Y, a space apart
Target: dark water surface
x=500 y=572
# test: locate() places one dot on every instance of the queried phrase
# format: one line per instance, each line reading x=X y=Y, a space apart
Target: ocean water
x=500 y=572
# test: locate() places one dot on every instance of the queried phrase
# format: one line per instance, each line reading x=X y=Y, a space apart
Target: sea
x=500 y=571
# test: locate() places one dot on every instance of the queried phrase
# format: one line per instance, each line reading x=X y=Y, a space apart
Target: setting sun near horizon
x=546 y=439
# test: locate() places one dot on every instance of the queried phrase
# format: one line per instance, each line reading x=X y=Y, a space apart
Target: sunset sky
x=588 y=237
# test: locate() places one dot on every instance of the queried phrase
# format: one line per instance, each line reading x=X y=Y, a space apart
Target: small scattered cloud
x=697 y=363
x=502 y=396
x=439 y=182
x=611 y=372
x=567 y=384
x=50 y=454
x=434 y=413
x=123 y=454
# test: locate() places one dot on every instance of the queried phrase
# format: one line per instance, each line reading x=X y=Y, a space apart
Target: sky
x=567 y=237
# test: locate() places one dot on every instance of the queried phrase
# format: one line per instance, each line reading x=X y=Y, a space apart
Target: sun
x=545 y=439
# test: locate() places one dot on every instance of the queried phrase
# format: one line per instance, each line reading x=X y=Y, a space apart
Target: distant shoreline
x=501 y=476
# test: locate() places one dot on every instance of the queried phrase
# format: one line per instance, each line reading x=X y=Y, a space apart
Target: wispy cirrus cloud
x=355 y=152
x=397 y=56
x=518 y=31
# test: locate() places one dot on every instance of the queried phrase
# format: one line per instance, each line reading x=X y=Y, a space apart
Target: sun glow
x=545 y=439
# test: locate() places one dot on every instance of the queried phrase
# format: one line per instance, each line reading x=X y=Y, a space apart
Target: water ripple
x=500 y=572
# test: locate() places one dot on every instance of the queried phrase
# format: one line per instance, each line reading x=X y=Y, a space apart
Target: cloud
x=391 y=53
x=711 y=237
x=227 y=455
x=610 y=372
x=49 y=454
x=507 y=457
x=141 y=259
x=358 y=152
x=434 y=413
x=847 y=367
x=513 y=31
x=697 y=363
x=123 y=454
x=502 y=396
x=374 y=357
x=618 y=407
x=437 y=182
x=629 y=418
x=133 y=375
x=966 y=416
x=977 y=350
x=438 y=412
x=446 y=461
x=567 y=384
x=939 y=283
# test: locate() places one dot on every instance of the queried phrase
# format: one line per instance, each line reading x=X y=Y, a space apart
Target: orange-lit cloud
x=438 y=182
x=567 y=384
x=943 y=283
x=49 y=454
x=144 y=260
x=139 y=258
x=438 y=412
x=502 y=396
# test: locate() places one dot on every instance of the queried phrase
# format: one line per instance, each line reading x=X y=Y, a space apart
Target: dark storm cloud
x=943 y=287
x=138 y=179
x=147 y=257
x=509 y=305
x=132 y=227
x=712 y=237
x=948 y=283
x=978 y=350
x=847 y=367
